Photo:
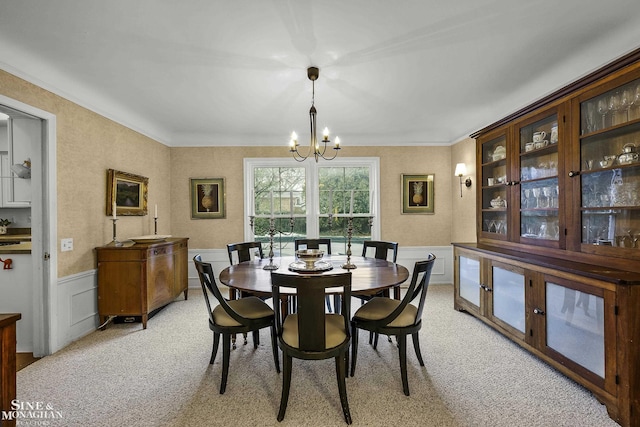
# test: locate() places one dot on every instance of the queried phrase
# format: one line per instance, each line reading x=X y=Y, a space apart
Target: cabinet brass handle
x=538 y=311
x=574 y=173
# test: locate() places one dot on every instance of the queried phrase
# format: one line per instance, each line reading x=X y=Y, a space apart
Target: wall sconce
x=461 y=170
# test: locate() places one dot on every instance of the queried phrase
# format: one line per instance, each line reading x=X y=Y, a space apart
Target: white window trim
x=311 y=172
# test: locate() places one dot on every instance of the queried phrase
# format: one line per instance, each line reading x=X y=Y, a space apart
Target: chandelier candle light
x=314 y=147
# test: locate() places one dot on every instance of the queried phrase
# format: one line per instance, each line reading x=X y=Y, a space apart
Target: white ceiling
x=403 y=72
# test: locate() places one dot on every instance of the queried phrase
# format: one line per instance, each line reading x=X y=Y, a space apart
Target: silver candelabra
x=349 y=265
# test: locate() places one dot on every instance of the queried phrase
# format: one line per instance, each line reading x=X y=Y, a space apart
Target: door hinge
x=564 y=119
x=47 y=256
x=617 y=379
x=530 y=332
x=565 y=231
x=616 y=310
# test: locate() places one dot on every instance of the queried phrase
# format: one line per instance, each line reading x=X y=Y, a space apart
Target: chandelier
x=314 y=147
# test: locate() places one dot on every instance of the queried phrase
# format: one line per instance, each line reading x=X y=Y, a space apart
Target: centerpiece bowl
x=309 y=257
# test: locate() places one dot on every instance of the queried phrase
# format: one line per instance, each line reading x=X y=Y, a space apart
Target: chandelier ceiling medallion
x=314 y=147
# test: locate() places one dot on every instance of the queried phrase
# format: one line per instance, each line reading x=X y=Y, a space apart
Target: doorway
x=43 y=219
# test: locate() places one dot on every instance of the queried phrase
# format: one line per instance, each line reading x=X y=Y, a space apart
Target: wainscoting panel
x=77 y=307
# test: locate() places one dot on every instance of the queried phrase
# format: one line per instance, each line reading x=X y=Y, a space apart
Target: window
x=308 y=192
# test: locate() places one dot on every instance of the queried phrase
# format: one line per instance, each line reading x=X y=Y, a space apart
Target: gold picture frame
x=127 y=192
x=207 y=198
x=418 y=194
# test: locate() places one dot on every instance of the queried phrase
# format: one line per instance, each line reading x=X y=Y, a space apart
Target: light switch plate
x=66 y=245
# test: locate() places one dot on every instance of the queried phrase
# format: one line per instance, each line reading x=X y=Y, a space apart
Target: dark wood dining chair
x=310 y=333
x=233 y=316
x=325 y=245
x=243 y=251
x=380 y=249
x=389 y=316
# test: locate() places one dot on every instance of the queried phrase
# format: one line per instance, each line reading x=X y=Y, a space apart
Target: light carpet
x=127 y=376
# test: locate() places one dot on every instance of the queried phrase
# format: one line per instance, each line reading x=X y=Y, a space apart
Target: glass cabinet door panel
x=508 y=297
x=575 y=326
x=539 y=190
x=610 y=170
x=539 y=209
x=470 y=279
x=494 y=187
x=616 y=107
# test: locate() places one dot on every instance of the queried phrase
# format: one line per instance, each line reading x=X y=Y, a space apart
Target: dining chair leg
x=274 y=347
x=342 y=386
x=370 y=337
x=402 y=340
x=354 y=350
x=226 y=351
x=256 y=339
x=375 y=340
x=214 y=351
x=286 y=384
x=416 y=346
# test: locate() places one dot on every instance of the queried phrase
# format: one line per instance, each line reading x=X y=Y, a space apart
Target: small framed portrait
x=207 y=198
x=126 y=193
x=417 y=194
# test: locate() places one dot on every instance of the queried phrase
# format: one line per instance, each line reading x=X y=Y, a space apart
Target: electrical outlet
x=66 y=245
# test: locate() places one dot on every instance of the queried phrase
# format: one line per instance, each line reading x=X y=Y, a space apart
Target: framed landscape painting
x=207 y=198
x=417 y=194
x=127 y=193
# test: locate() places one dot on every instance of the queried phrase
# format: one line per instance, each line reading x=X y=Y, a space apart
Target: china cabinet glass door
x=508 y=296
x=494 y=188
x=575 y=326
x=610 y=171
x=540 y=196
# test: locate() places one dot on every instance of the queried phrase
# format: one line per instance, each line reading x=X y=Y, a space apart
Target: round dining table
x=370 y=276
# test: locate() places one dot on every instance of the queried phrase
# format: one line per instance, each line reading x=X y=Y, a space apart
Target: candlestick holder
x=155 y=225
x=115 y=240
x=272 y=231
x=349 y=265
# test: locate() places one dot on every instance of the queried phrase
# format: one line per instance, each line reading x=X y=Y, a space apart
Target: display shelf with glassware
x=555 y=267
x=539 y=197
x=609 y=147
x=494 y=187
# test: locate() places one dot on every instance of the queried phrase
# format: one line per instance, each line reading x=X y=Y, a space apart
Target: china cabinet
x=555 y=267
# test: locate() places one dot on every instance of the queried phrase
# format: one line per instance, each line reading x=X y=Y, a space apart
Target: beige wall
x=87 y=145
x=463 y=227
x=227 y=162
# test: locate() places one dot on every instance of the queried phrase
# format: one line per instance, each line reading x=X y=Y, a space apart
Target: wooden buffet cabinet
x=556 y=266
x=137 y=278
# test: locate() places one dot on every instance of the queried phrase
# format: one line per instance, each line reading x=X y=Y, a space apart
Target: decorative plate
x=301 y=267
x=150 y=238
